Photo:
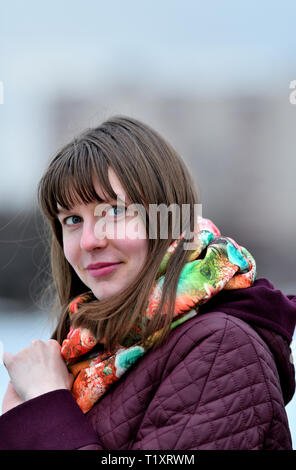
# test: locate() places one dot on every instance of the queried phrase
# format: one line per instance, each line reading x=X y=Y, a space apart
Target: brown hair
x=151 y=172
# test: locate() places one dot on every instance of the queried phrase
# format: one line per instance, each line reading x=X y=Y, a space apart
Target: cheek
x=69 y=251
x=135 y=250
x=136 y=241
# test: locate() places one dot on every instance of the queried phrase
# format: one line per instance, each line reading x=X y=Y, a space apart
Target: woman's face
x=92 y=235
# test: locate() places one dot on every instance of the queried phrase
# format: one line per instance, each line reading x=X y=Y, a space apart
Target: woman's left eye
x=71 y=217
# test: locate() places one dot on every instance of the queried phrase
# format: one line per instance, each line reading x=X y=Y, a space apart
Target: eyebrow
x=66 y=211
x=62 y=211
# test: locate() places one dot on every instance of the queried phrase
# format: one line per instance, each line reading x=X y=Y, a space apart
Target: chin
x=102 y=295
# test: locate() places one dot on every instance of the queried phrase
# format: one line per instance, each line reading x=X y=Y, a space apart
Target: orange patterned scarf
x=226 y=265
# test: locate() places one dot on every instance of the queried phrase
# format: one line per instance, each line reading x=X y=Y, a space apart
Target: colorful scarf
x=226 y=265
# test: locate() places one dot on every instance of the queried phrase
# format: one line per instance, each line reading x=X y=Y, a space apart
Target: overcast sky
x=176 y=46
x=224 y=43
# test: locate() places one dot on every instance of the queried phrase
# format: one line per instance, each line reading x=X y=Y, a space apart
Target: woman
x=165 y=338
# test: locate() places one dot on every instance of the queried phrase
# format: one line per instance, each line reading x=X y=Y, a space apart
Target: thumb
x=11 y=389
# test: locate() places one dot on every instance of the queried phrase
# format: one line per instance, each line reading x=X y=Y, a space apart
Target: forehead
x=115 y=183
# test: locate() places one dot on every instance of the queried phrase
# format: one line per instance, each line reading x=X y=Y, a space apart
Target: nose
x=91 y=238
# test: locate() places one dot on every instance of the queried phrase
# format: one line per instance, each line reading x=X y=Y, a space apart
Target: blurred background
x=213 y=78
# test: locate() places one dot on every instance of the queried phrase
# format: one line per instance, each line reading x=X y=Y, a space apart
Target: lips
x=102 y=269
x=101 y=265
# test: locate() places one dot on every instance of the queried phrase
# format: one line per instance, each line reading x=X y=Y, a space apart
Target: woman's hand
x=11 y=398
x=37 y=369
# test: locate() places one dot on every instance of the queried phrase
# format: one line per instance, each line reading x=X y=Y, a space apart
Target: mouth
x=102 y=269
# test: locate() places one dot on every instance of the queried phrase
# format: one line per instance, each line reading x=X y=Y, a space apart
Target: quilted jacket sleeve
x=222 y=393
x=52 y=421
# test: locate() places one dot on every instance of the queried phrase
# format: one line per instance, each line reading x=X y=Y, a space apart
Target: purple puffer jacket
x=221 y=381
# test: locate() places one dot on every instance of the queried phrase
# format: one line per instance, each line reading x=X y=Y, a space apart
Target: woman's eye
x=118 y=210
x=73 y=217
x=111 y=212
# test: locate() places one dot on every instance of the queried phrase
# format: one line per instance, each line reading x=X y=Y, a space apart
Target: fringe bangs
x=69 y=179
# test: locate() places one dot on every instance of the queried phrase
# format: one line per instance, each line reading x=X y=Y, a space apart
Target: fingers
x=49 y=342
x=7 y=357
x=38 y=369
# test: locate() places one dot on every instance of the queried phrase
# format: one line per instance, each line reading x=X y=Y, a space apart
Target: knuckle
x=36 y=342
x=53 y=343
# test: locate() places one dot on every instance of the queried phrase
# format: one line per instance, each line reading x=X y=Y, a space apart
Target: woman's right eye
x=71 y=217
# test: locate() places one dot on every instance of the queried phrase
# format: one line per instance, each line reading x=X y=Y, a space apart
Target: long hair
x=151 y=172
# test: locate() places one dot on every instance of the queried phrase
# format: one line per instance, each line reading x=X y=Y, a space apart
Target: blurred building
x=240 y=150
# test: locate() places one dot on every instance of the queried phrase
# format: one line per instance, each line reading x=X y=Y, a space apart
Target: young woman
x=165 y=338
